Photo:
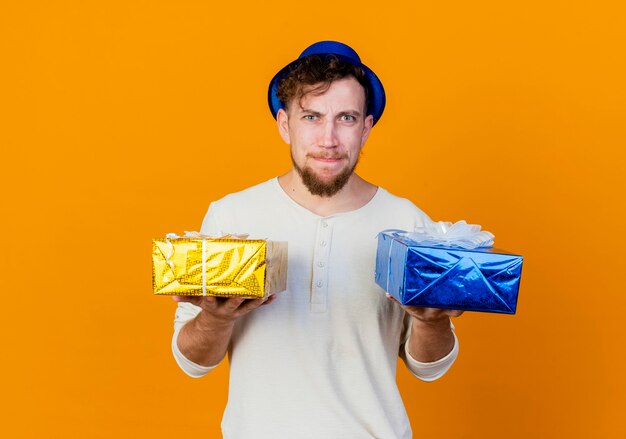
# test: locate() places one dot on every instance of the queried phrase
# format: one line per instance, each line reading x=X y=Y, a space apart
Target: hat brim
x=376 y=92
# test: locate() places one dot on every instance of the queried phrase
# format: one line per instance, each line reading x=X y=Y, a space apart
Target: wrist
x=438 y=324
x=430 y=340
x=207 y=322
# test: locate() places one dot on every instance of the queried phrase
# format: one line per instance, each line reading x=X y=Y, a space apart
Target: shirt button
x=324 y=224
x=320 y=264
x=319 y=284
x=323 y=243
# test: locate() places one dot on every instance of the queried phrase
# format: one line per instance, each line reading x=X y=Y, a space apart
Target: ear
x=367 y=127
x=282 y=120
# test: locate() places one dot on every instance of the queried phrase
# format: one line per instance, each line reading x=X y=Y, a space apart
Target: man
x=319 y=360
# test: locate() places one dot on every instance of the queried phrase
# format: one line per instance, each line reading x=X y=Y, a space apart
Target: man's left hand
x=428 y=315
x=431 y=335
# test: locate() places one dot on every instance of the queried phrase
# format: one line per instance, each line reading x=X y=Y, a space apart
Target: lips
x=329 y=158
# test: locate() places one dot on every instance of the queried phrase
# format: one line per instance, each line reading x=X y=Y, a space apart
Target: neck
x=354 y=195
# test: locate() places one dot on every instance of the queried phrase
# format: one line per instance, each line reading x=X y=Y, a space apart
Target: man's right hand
x=205 y=338
x=225 y=309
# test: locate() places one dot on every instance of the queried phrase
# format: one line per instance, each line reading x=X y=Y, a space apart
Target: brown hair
x=320 y=71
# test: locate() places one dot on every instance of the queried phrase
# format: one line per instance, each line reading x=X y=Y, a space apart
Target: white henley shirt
x=320 y=361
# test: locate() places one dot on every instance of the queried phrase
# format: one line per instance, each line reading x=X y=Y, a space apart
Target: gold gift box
x=226 y=267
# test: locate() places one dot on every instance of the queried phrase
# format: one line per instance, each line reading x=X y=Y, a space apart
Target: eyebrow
x=350 y=113
x=354 y=113
x=308 y=111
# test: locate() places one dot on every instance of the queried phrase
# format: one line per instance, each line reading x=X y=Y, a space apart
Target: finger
x=249 y=305
x=209 y=303
x=269 y=299
x=418 y=311
x=390 y=297
x=232 y=303
x=252 y=304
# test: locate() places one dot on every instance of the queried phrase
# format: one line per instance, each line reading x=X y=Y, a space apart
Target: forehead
x=345 y=93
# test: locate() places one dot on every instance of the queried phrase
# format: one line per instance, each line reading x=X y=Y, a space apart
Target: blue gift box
x=438 y=276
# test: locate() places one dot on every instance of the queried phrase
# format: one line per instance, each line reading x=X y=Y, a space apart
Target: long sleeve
x=184 y=313
x=187 y=311
x=433 y=370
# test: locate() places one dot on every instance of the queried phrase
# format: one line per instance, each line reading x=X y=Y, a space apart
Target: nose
x=328 y=135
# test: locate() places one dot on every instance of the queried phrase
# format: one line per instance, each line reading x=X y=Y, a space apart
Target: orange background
x=121 y=121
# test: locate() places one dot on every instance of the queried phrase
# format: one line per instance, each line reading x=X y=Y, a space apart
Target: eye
x=309 y=117
x=348 y=118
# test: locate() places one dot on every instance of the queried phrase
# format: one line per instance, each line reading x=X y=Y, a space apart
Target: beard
x=317 y=186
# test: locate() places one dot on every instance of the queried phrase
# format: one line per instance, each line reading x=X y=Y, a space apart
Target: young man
x=319 y=360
